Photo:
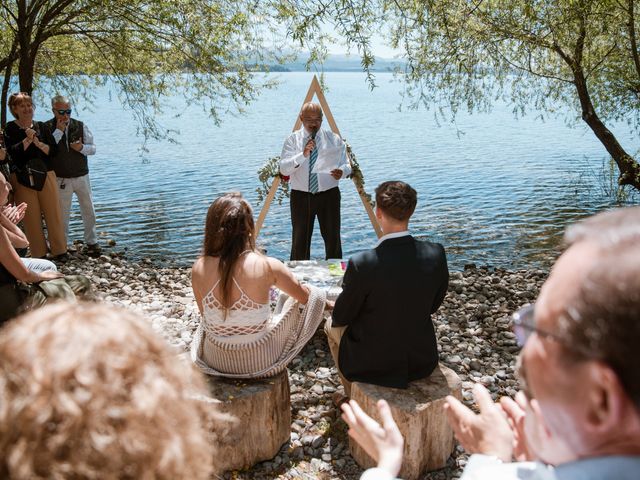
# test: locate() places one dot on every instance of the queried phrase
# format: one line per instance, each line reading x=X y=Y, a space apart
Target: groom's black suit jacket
x=388 y=296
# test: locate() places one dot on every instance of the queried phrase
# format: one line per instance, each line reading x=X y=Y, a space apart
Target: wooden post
x=369 y=210
x=267 y=204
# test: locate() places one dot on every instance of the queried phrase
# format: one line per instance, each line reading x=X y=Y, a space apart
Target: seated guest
x=88 y=391
x=30 y=144
x=579 y=364
x=12 y=268
x=10 y=216
x=238 y=335
x=4 y=159
x=381 y=330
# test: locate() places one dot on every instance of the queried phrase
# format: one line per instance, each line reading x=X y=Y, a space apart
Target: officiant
x=316 y=160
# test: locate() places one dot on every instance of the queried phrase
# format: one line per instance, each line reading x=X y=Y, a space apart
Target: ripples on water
x=498 y=194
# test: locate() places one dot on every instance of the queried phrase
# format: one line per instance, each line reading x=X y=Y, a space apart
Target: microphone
x=313 y=135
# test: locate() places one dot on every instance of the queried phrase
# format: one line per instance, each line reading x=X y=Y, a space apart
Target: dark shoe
x=63 y=257
x=94 y=249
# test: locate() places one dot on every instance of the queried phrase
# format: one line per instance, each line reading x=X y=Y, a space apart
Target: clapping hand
x=61 y=124
x=516 y=413
x=14 y=213
x=77 y=145
x=31 y=134
x=383 y=443
x=487 y=432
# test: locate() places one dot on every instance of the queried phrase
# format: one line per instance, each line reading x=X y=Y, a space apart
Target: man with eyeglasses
x=75 y=143
x=314 y=194
x=580 y=417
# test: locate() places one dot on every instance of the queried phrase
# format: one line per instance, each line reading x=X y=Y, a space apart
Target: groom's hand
x=336 y=173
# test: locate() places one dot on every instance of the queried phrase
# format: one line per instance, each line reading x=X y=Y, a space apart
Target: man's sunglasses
x=63 y=112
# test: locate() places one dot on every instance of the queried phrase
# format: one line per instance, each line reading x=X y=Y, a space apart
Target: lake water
x=499 y=193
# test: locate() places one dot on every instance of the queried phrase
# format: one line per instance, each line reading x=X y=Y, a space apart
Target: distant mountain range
x=338 y=63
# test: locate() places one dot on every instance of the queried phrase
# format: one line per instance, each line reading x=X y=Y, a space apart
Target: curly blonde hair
x=89 y=391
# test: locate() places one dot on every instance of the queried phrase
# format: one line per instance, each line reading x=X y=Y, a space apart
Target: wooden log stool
x=262 y=409
x=419 y=413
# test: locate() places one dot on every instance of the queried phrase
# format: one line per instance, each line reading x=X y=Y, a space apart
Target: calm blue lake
x=493 y=189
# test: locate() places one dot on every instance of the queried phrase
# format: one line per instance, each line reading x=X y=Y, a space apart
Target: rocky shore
x=473 y=328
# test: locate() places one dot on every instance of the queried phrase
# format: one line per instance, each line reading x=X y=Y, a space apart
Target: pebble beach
x=474 y=335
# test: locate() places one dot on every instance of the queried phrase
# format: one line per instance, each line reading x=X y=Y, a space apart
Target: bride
x=238 y=335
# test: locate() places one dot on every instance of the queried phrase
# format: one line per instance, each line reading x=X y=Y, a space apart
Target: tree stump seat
x=262 y=409
x=419 y=413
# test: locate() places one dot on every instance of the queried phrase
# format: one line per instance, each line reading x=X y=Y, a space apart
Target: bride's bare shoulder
x=203 y=264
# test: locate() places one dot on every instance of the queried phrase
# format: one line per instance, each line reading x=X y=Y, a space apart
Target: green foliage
x=266 y=174
x=271 y=169
x=357 y=175
x=462 y=55
x=206 y=52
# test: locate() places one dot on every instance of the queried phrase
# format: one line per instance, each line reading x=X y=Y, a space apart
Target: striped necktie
x=313 y=177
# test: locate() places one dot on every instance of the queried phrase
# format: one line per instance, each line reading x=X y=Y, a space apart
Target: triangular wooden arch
x=316 y=89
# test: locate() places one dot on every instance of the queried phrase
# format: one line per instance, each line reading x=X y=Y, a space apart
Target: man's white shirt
x=294 y=164
x=389 y=236
x=88 y=147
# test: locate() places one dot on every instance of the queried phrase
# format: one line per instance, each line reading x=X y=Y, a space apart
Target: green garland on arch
x=271 y=169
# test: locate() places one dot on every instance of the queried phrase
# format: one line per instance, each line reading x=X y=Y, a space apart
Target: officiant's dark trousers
x=305 y=207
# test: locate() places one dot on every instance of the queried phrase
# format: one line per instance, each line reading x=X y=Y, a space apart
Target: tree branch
x=632 y=38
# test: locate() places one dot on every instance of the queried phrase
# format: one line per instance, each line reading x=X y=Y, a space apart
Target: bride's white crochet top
x=246 y=319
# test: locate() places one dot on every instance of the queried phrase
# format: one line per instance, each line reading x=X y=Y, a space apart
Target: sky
x=378 y=46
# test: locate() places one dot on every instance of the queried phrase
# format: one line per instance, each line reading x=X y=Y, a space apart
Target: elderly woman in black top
x=29 y=144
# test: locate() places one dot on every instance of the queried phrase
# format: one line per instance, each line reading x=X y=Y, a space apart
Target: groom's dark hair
x=397 y=199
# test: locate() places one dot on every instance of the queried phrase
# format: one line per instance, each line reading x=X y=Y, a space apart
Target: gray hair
x=607 y=229
x=59 y=99
x=603 y=318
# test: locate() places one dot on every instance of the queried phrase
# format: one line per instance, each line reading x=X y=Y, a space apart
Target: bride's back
x=251 y=273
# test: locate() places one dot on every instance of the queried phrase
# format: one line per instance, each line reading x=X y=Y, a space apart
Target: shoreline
x=473 y=328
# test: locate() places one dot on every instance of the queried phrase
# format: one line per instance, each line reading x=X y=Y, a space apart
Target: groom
x=381 y=330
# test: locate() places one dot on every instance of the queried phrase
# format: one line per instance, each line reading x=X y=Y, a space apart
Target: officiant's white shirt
x=294 y=164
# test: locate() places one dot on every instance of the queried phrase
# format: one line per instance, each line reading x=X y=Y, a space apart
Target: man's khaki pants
x=44 y=202
x=334 y=335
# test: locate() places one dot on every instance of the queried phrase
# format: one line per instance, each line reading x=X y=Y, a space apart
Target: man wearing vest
x=75 y=143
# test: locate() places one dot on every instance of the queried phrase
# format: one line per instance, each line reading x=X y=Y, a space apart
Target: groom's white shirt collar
x=389 y=236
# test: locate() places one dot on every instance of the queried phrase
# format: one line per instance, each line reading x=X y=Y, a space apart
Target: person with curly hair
x=89 y=391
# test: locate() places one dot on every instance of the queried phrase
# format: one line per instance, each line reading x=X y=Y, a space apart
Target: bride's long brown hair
x=228 y=233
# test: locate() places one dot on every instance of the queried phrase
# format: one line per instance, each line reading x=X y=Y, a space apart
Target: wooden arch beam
x=316 y=90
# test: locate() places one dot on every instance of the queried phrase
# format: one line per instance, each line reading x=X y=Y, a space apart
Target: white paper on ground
x=328 y=159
